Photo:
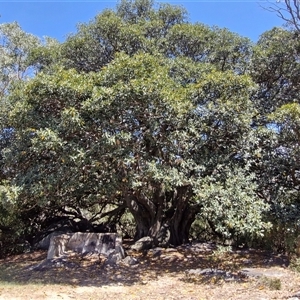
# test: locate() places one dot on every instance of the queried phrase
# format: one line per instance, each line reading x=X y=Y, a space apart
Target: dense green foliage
x=143 y=116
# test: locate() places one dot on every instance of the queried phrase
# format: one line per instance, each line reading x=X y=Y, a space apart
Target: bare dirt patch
x=159 y=274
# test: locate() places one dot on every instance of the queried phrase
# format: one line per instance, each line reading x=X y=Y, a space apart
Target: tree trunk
x=181 y=225
x=165 y=226
x=183 y=216
x=142 y=217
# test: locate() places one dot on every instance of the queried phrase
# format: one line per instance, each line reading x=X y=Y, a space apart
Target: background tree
x=288 y=11
x=15 y=49
x=15 y=67
x=275 y=69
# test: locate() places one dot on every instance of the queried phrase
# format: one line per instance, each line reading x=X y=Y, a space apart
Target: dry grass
x=162 y=276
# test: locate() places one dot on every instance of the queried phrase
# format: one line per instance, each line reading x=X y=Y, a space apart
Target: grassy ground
x=158 y=275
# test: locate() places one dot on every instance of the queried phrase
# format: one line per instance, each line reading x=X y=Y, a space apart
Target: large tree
x=134 y=135
x=124 y=115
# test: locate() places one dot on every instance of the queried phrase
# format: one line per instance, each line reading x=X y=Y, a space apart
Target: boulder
x=130 y=261
x=108 y=244
x=45 y=242
x=144 y=243
x=214 y=273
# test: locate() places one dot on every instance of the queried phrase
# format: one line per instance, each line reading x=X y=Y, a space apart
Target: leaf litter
x=190 y=272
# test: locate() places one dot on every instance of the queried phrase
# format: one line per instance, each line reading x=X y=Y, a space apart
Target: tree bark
x=183 y=216
x=167 y=218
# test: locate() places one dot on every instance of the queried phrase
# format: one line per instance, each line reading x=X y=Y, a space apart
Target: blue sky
x=59 y=18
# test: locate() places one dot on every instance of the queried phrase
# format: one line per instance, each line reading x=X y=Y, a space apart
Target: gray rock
x=198 y=247
x=169 y=250
x=227 y=276
x=101 y=243
x=247 y=262
x=257 y=273
x=130 y=261
x=45 y=242
x=295 y=296
x=156 y=252
x=114 y=258
x=144 y=243
x=157 y=249
x=211 y=272
x=54 y=263
x=196 y=271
